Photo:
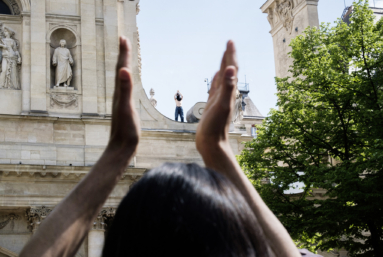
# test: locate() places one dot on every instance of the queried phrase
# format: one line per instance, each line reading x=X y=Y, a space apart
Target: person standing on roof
x=179 y=111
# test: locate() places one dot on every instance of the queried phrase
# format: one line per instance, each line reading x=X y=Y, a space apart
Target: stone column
x=26 y=67
x=96 y=236
x=96 y=240
x=89 y=56
x=38 y=57
x=111 y=49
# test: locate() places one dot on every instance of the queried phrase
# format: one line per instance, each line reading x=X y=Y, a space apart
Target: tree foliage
x=328 y=136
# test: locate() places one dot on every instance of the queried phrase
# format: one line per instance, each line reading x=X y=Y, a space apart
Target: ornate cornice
x=58 y=172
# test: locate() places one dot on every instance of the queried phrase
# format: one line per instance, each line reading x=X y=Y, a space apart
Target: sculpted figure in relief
x=9 y=76
x=62 y=59
x=285 y=13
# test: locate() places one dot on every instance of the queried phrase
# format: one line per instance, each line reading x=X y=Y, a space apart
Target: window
x=254 y=132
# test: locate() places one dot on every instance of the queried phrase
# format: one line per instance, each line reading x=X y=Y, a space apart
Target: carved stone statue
x=9 y=76
x=285 y=13
x=63 y=60
x=152 y=100
x=238 y=109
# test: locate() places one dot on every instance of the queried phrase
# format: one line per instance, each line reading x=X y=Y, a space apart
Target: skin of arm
x=212 y=141
x=63 y=231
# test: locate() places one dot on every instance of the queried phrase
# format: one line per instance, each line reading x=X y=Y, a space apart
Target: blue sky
x=182 y=43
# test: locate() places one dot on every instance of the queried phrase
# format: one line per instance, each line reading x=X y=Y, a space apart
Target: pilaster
x=96 y=236
x=38 y=57
x=26 y=67
x=111 y=49
x=89 y=56
x=288 y=19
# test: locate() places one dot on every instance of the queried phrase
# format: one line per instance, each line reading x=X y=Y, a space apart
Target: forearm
x=222 y=159
x=63 y=231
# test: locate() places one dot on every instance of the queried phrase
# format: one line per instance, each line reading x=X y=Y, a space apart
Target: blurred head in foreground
x=184 y=210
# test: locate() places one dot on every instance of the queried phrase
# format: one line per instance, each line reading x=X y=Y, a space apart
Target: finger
x=222 y=69
x=231 y=55
x=125 y=81
x=124 y=58
x=214 y=86
x=122 y=62
x=227 y=94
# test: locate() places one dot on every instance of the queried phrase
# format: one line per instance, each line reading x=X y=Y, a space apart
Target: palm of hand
x=213 y=129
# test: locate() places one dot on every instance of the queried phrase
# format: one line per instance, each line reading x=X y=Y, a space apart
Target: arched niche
x=10 y=7
x=72 y=41
x=4 y=8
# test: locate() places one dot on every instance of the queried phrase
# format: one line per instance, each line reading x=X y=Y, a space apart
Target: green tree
x=327 y=134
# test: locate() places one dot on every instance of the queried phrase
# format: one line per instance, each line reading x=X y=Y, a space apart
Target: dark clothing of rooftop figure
x=179 y=111
x=175 y=209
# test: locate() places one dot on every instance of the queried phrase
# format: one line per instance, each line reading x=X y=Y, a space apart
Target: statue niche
x=63 y=59
x=10 y=59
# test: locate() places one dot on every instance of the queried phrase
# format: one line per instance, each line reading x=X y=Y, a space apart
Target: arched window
x=4 y=8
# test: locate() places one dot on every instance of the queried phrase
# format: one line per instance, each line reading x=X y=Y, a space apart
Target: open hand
x=213 y=129
x=125 y=131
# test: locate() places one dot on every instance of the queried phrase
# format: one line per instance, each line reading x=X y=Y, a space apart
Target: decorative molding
x=270 y=16
x=49 y=172
x=285 y=13
x=139 y=54
x=64 y=100
x=36 y=215
x=138 y=9
x=10 y=218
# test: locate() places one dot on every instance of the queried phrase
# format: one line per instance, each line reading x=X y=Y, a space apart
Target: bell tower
x=288 y=19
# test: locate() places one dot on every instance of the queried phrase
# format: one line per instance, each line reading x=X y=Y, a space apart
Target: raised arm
x=63 y=231
x=212 y=141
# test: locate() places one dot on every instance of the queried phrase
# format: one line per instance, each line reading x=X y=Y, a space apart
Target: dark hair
x=184 y=210
x=179 y=98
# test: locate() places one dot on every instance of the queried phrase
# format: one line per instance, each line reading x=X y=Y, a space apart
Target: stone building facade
x=50 y=136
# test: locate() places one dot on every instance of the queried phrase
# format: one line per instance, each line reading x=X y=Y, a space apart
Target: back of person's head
x=184 y=210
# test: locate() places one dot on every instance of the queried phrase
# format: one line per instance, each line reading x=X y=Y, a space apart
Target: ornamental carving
x=152 y=100
x=9 y=219
x=238 y=109
x=36 y=215
x=138 y=9
x=139 y=53
x=10 y=59
x=105 y=216
x=285 y=13
x=64 y=100
x=14 y=7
